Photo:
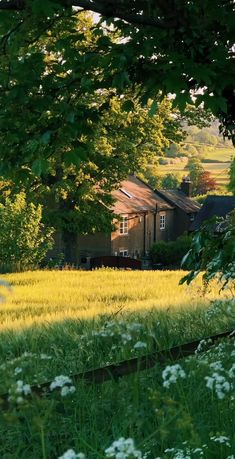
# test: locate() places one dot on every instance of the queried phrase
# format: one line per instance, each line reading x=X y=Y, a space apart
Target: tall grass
x=59 y=323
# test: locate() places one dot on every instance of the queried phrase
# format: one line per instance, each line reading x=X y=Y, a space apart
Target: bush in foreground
x=24 y=241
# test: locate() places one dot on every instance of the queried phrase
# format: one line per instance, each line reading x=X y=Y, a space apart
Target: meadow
x=54 y=324
x=219 y=171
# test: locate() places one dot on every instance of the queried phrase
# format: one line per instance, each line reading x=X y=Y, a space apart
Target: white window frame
x=123 y=253
x=162 y=225
x=123 y=226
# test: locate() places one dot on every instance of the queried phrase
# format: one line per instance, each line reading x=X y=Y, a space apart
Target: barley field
x=57 y=323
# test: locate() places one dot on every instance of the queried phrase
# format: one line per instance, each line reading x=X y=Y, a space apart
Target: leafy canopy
x=181 y=47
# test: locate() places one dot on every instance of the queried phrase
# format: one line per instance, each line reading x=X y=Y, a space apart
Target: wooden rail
x=127 y=367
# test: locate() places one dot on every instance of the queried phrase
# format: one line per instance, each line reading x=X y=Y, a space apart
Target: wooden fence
x=127 y=367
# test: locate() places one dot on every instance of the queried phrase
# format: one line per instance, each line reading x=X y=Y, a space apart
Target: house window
x=123 y=226
x=123 y=253
x=162 y=221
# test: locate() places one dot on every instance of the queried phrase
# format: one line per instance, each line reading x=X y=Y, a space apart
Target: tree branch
x=106 y=8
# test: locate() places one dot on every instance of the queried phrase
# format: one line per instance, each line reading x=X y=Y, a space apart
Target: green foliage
x=170 y=181
x=231 y=186
x=170 y=253
x=213 y=251
x=174 y=151
x=24 y=241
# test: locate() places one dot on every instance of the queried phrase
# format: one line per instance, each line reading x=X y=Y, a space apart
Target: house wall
x=94 y=245
x=168 y=234
x=133 y=241
x=140 y=235
x=182 y=223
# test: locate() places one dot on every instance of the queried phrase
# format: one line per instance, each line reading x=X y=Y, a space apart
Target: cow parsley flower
x=171 y=373
x=124 y=448
x=18 y=391
x=140 y=345
x=65 y=383
x=222 y=440
x=218 y=383
x=70 y=454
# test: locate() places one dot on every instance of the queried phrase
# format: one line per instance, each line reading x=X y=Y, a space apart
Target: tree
x=195 y=171
x=174 y=47
x=171 y=181
x=231 y=185
x=24 y=241
x=77 y=138
x=205 y=183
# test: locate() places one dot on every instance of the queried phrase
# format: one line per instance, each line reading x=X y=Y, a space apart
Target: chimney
x=186 y=186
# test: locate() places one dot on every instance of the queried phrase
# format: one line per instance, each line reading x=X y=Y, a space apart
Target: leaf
x=120 y=80
x=40 y=166
x=45 y=138
x=153 y=108
x=75 y=156
x=45 y=7
x=128 y=106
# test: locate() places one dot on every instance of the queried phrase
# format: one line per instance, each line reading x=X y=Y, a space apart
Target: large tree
x=66 y=138
x=174 y=46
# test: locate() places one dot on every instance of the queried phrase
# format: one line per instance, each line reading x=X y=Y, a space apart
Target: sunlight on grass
x=45 y=296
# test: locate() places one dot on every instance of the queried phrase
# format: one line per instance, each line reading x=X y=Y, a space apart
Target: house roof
x=135 y=196
x=213 y=205
x=179 y=199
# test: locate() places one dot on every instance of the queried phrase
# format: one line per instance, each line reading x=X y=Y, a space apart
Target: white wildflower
x=17 y=370
x=140 y=345
x=171 y=373
x=63 y=382
x=60 y=381
x=222 y=440
x=67 y=390
x=70 y=454
x=123 y=449
x=231 y=372
x=219 y=384
x=18 y=390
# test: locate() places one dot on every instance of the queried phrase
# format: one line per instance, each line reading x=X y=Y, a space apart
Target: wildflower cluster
x=218 y=307
x=26 y=355
x=122 y=333
x=186 y=452
x=222 y=440
x=64 y=383
x=18 y=391
x=70 y=454
x=124 y=449
x=203 y=345
x=171 y=374
x=221 y=380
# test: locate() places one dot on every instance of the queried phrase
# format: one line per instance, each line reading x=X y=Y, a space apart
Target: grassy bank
x=59 y=323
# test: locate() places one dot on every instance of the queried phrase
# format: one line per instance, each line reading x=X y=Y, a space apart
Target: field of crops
x=55 y=324
x=219 y=171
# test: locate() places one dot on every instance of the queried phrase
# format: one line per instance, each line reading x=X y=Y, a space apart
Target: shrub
x=170 y=253
x=24 y=241
x=213 y=251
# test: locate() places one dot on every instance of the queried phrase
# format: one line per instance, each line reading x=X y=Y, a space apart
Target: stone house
x=185 y=208
x=145 y=216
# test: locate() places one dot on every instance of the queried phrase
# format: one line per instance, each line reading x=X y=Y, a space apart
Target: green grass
x=83 y=320
x=219 y=171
